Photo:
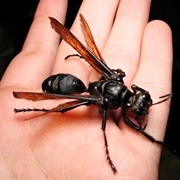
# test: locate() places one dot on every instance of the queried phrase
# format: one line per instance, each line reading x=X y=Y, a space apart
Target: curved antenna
x=166 y=97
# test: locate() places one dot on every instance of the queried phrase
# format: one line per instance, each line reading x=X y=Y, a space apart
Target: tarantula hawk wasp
x=109 y=92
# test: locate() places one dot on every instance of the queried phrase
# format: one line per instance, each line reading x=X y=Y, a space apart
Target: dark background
x=16 y=17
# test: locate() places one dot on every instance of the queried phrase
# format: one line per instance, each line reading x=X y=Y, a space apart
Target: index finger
x=35 y=60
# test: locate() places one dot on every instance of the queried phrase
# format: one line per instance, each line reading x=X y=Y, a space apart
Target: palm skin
x=71 y=144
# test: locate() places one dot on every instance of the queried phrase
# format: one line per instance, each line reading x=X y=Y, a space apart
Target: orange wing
x=93 y=58
x=35 y=96
x=88 y=37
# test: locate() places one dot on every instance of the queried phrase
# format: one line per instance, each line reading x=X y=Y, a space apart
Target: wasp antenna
x=166 y=97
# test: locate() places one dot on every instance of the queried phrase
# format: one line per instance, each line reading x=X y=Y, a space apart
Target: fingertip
x=159 y=36
x=156 y=55
x=159 y=25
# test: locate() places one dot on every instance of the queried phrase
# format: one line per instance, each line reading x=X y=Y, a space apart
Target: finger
x=123 y=47
x=35 y=61
x=155 y=73
x=100 y=19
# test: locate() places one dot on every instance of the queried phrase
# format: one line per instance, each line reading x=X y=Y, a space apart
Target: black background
x=16 y=17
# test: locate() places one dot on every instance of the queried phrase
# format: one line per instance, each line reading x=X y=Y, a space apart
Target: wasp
x=108 y=92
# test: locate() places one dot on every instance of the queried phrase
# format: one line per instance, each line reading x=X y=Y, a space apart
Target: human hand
x=71 y=144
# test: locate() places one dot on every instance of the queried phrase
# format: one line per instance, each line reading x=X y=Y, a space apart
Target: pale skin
x=71 y=145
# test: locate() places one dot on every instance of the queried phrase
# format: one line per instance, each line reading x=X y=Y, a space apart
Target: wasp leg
x=137 y=88
x=146 y=122
x=29 y=110
x=73 y=55
x=139 y=129
x=140 y=123
x=64 y=107
x=61 y=108
x=104 y=112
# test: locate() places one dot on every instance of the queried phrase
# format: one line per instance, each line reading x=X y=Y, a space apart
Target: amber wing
x=35 y=96
x=91 y=55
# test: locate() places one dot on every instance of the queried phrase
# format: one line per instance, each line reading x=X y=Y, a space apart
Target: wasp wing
x=91 y=58
x=35 y=96
x=68 y=106
x=88 y=37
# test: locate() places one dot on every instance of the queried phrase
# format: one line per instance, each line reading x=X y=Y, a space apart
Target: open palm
x=71 y=145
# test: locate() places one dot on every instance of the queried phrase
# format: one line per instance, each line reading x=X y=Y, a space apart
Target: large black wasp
x=109 y=92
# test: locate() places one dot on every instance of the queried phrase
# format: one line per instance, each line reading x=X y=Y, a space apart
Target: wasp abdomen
x=63 y=84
